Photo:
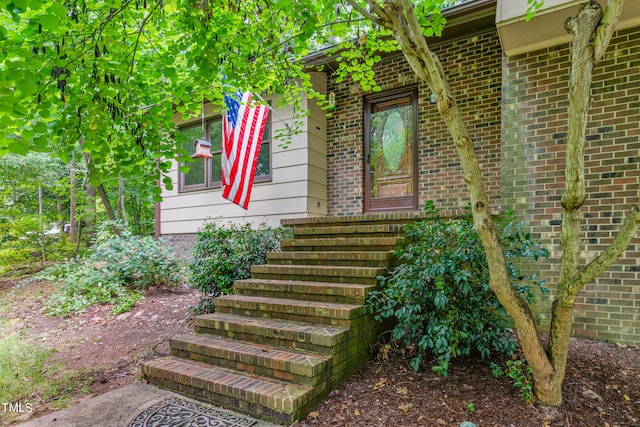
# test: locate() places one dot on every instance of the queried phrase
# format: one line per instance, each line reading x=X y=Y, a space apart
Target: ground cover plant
x=440 y=296
x=115 y=271
x=224 y=253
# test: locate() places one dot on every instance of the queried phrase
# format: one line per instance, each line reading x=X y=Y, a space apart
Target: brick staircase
x=296 y=329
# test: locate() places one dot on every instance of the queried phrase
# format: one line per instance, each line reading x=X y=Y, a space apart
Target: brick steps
x=343 y=244
x=319 y=273
x=322 y=313
x=347 y=293
x=335 y=258
x=321 y=339
x=277 y=400
x=333 y=231
x=295 y=329
x=302 y=368
x=368 y=219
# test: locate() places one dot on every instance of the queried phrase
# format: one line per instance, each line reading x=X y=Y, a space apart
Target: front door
x=390 y=137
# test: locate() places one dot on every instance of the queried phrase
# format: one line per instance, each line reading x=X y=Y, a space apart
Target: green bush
x=224 y=253
x=22 y=245
x=11 y=258
x=440 y=296
x=115 y=271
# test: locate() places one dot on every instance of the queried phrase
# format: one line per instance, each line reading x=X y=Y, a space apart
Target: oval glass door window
x=393 y=140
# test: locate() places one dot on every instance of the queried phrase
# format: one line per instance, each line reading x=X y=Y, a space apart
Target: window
x=205 y=173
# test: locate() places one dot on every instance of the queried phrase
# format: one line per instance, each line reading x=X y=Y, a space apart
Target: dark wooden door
x=391 y=151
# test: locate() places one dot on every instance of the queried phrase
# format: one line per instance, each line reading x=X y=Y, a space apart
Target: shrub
x=224 y=253
x=23 y=247
x=440 y=295
x=115 y=271
x=11 y=258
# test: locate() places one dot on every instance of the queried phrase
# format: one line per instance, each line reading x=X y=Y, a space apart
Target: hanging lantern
x=203 y=149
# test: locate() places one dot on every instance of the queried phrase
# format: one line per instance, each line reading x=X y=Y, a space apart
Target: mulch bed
x=602 y=388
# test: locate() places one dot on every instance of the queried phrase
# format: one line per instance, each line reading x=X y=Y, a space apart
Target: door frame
x=404 y=203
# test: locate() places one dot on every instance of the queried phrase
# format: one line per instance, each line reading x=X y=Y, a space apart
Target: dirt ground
x=602 y=387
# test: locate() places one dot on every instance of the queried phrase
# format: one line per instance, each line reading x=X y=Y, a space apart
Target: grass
x=31 y=375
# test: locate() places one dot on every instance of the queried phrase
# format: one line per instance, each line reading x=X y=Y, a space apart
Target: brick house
x=510 y=80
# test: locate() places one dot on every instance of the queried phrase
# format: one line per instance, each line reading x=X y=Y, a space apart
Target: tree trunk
x=40 y=214
x=400 y=17
x=591 y=37
x=121 y=199
x=103 y=195
x=72 y=199
x=108 y=208
x=90 y=211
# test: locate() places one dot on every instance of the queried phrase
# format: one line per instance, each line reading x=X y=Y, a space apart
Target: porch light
x=203 y=149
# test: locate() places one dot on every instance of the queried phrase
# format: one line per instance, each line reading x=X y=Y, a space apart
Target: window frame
x=209 y=183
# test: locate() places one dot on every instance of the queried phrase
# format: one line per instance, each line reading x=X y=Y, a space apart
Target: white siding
x=298 y=187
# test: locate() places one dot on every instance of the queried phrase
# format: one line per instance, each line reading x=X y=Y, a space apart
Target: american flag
x=242 y=129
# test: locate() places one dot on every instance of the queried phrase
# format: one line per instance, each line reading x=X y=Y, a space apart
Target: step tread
x=320 y=269
x=365 y=255
x=271 y=324
x=349 y=229
x=344 y=241
x=290 y=302
x=302 y=283
x=280 y=395
x=219 y=347
x=365 y=218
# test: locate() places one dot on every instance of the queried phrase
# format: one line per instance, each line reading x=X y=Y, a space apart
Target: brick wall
x=474 y=68
x=535 y=88
x=181 y=243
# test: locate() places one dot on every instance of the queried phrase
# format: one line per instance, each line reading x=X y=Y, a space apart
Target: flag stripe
x=243 y=127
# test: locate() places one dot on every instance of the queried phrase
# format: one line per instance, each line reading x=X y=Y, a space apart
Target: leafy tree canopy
x=110 y=74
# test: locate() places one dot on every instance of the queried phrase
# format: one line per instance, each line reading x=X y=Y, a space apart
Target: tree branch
x=365 y=13
x=605 y=29
x=627 y=232
x=139 y=35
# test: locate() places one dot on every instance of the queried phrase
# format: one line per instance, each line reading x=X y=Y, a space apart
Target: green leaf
x=49 y=22
x=19 y=110
x=19 y=147
x=58 y=9
x=27 y=87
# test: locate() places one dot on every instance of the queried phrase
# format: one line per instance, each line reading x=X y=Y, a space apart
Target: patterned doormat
x=176 y=412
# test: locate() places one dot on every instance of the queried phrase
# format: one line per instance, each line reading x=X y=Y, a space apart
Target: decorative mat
x=176 y=412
